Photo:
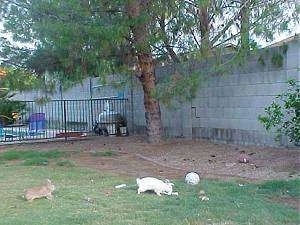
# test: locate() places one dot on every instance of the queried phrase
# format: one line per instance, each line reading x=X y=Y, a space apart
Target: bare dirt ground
x=133 y=156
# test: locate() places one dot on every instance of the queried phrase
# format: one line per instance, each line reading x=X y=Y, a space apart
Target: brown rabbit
x=43 y=191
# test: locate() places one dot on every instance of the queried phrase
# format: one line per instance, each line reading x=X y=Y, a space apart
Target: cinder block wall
x=227 y=106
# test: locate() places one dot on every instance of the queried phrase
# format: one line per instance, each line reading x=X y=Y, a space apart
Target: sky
x=295 y=30
x=9 y=37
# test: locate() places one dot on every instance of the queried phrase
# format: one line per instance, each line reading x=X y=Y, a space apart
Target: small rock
x=244 y=158
x=201 y=192
x=230 y=164
x=89 y=200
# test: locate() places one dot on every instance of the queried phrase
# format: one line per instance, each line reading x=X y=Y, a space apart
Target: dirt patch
x=173 y=158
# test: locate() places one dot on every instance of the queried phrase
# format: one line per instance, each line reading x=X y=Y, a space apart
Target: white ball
x=192 y=178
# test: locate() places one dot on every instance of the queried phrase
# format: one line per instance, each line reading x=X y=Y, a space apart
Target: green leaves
x=7 y=108
x=274 y=116
x=180 y=87
x=283 y=114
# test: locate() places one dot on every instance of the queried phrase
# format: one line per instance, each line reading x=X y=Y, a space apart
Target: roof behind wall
x=285 y=41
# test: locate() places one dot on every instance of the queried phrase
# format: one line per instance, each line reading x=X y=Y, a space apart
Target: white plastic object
x=121 y=186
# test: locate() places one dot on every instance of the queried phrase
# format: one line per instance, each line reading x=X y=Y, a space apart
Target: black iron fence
x=67 y=119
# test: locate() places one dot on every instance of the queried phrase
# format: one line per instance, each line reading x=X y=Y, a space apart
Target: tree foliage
x=82 y=38
x=9 y=109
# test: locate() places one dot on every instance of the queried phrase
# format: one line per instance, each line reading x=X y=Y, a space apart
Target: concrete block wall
x=88 y=88
x=136 y=106
x=227 y=106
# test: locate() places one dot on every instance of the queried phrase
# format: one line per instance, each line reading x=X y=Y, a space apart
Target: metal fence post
x=91 y=111
x=131 y=105
x=65 y=119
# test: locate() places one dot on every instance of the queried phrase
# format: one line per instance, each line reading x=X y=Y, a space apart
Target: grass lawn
x=85 y=196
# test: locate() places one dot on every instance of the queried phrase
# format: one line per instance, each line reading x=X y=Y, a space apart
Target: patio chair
x=6 y=134
x=2 y=132
x=37 y=123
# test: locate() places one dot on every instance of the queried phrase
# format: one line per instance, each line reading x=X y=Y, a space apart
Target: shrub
x=283 y=114
x=8 y=108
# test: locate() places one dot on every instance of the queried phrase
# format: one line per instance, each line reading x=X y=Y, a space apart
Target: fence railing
x=67 y=118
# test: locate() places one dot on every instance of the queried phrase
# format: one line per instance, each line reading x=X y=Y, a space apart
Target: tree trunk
x=152 y=107
x=245 y=17
x=204 y=26
x=146 y=65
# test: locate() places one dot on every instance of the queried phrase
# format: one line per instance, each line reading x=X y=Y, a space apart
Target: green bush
x=283 y=114
x=7 y=108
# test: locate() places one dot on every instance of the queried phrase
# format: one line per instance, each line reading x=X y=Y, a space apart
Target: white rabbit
x=154 y=184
